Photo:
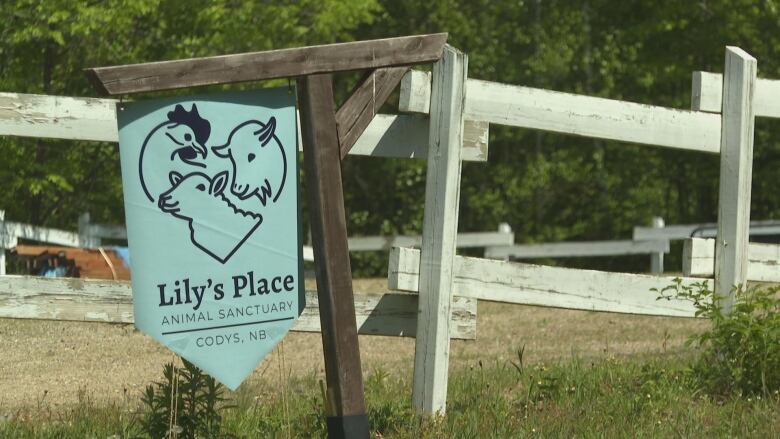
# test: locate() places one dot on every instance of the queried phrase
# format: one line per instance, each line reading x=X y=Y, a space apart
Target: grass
x=651 y=397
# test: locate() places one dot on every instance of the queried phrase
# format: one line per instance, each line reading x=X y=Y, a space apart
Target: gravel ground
x=49 y=365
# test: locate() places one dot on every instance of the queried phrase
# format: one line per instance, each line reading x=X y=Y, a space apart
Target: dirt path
x=49 y=365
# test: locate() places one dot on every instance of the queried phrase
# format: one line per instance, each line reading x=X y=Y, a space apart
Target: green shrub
x=740 y=352
x=194 y=411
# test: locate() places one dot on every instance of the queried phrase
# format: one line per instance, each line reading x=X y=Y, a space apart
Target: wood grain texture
x=579 y=115
x=415 y=94
x=736 y=168
x=440 y=228
x=763 y=260
x=557 y=287
x=363 y=104
x=588 y=116
x=386 y=135
x=707 y=94
x=577 y=249
x=322 y=161
x=256 y=66
x=406 y=136
x=58 y=117
x=73 y=118
x=84 y=300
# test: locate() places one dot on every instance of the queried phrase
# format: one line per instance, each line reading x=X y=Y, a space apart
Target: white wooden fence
x=729 y=134
x=72 y=118
x=461 y=110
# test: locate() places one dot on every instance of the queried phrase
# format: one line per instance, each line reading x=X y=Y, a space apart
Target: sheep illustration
x=258 y=159
x=200 y=200
x=176 y=144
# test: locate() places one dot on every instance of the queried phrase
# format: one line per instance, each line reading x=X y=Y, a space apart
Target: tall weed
x=740 y=353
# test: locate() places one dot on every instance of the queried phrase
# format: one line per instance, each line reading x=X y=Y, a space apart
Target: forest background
x=548 y=187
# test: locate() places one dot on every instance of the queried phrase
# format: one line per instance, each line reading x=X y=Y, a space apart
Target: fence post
x=657 y=259
x=440 y=228
x=502 y=228
x=3 y=241
x=736 y=163
x=86 y=238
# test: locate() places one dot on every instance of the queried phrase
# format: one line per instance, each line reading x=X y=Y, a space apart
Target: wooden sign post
x=327 y=137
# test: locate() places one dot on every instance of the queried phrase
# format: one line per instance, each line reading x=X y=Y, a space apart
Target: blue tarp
x=124 y=253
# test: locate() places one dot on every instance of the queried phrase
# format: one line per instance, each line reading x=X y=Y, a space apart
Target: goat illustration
x=251 y=147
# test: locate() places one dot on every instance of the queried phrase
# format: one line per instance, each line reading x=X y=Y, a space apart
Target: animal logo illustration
x=219 y=196
x=181 y=139
x=250 y=147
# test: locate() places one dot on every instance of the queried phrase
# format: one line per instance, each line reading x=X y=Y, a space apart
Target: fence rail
x=702 y=230
x=577 y=249
x=70 y=299
x=527 y=284
x=568 y=113
x=75 y=118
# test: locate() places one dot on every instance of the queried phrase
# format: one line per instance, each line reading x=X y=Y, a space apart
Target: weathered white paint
x=406 y=136
x=540 y=285
x=440 y=228
x=707 y=91
x=703 y=230
x=592 y=117
x=763 y=260
x=657 y=259
x=74 y=118
x=415 y=95
x=580 y=115
x=75 y=299
x=308 y=253
x=736 y=167
x=58 y=117
x=577 y=249
x=707 y=94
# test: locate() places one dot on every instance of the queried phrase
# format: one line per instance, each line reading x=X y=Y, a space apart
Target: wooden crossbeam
x=75 y=118
x=364 y=102
x=255 y=66
x=557 y=287
x=107 y=301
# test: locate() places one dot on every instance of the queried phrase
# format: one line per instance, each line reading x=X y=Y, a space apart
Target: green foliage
x=548 y=187
x=740 y=353
x=187 y=402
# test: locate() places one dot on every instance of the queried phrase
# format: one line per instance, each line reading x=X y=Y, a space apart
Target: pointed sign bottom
x=211 y=201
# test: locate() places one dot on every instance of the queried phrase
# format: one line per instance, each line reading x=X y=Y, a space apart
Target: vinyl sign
x=211 y=200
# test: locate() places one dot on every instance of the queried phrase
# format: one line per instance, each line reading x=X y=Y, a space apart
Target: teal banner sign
x=211 y=200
